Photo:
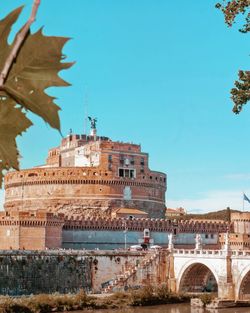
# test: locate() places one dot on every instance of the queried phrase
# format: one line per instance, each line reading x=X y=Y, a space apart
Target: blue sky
x=156 y=72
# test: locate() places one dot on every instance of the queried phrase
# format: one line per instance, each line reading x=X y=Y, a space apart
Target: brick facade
x=30 y=230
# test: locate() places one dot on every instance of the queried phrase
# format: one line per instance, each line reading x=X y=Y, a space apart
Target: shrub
x=206 y=298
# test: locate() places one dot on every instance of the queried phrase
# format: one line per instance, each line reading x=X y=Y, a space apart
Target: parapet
x=139 y=224
x=31 y=218
x=240 y=216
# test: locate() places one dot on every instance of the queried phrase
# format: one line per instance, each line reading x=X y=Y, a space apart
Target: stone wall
x=37 y=230
x=32 y=273
x=26 y=272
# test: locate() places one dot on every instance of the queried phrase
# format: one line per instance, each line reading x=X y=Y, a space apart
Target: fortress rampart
x=159 y=225
x=82 y=189
x=30 y=230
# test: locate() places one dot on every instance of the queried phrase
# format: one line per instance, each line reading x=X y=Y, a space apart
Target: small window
x=212 y=236
x=121 y=172
x=110 y=158
x=142 y=161
x=126 y=172
x=132 y=174
x=206 y=236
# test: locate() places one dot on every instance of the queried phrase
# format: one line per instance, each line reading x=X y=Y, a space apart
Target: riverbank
x=59 y=303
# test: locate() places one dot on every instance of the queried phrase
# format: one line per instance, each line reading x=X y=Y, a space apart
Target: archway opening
x=244 y=292
x=198 y=278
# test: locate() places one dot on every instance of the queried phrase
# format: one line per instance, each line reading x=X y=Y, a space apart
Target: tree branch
x=18 y=42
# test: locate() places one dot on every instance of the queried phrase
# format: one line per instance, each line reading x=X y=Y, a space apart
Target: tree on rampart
x=28 y=66
x=240 y=94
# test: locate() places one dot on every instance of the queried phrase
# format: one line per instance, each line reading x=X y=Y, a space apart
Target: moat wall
x=33 y=272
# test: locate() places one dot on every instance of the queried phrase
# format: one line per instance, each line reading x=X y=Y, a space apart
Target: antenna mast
x=85 y=122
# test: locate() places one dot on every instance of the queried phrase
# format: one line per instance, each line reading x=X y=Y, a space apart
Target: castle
x=97 y=193
x=91 y=176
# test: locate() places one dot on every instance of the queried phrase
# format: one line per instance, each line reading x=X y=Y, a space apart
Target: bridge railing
x=204 y=252
x=199 y=252
x=240 y=253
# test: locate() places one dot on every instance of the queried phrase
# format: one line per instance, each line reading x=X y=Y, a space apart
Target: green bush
x=206 y=298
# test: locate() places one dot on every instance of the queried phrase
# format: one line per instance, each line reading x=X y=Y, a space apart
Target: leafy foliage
x=241 y=92
x=34 y=69
x=232 y=8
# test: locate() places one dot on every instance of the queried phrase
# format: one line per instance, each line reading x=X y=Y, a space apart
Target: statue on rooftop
x=198 y=242
x=92 y=122
x=170 y=242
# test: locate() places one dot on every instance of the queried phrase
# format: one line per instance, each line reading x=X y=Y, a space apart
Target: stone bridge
x=226 y=273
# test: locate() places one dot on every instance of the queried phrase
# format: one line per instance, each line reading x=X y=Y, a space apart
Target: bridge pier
x=172 y=287
x=226 y=289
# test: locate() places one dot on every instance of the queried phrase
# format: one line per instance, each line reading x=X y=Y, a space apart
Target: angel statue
x=92 y=122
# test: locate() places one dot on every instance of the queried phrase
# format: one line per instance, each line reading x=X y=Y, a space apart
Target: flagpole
x=243 y=205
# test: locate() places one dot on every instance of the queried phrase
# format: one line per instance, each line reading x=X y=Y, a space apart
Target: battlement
x=139 y=224
x=121 y=146
x=31 y=218
x=240 y=216
x=78 y=175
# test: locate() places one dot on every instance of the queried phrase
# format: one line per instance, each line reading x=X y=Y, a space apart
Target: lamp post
x=125 y=234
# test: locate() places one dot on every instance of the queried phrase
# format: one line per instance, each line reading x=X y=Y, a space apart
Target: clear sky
x=156 y=72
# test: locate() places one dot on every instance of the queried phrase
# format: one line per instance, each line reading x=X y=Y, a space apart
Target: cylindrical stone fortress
x=89 y=175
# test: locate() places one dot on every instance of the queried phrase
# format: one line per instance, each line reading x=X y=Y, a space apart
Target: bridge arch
x=197 y=276
x=243 y=284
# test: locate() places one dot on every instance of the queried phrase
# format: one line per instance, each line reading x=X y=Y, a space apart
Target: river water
x=170 y=308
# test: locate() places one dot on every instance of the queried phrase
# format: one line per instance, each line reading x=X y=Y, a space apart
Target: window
x=110 y=158
x=132 y=161
x=121 y=172
x=212 y=236
x=121 y=159
x=206 y=236
x=125 y=172
x=142 y=161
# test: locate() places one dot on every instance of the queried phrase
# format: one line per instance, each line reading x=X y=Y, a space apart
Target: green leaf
x=36 y=68
x=5 y=28
x=12 y=123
